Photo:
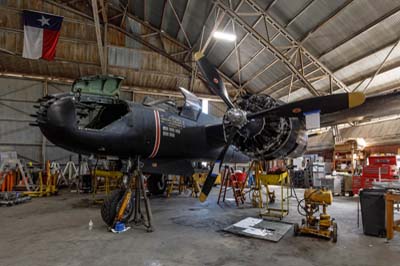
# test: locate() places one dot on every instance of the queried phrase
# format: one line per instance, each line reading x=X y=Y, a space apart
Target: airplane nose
x=57 y=117
x=56 y=112
x=61 y=113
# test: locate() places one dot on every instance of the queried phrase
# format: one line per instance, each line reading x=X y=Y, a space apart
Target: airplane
x=167 y=138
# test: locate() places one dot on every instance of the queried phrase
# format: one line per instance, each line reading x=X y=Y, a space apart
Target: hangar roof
x=289 y=49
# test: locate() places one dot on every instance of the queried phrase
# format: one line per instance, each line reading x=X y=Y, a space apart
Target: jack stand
x=195 y=187
x=139 y=218
x=56 y=171
x=119 y=207
x=256 y=189
x=70 y=172
x=140 y=190
x=290 y=170
x=17 y=165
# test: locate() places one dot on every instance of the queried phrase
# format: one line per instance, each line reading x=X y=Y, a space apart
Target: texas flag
x=41 y=32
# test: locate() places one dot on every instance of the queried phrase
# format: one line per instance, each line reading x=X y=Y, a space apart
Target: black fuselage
x=146 y=131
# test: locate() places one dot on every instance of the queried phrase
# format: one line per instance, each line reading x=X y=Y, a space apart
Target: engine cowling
x=269 y=137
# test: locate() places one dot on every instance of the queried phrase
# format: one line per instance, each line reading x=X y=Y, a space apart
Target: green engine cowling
x=99 y=85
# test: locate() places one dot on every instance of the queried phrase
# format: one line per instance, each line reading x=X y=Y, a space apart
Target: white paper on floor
x=248 y=222
x=258 y=232
x=260 y=228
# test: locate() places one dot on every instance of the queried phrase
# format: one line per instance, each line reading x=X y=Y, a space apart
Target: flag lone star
x=41 y=33
x=44 y=21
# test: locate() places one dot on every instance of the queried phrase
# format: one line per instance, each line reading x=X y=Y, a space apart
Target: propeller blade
x=212 y=77
x=214 y=171
x=324 y=104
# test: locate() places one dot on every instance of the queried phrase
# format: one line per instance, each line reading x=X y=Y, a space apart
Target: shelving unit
x=351 y=154
x=347 y=156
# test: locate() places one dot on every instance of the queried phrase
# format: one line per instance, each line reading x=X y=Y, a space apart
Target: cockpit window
x=191 y=109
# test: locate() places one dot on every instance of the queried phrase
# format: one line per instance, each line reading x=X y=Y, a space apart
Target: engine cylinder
x=269 y=137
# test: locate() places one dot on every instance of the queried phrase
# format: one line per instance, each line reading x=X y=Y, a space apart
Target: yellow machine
x=263 y=179
x=323 y=225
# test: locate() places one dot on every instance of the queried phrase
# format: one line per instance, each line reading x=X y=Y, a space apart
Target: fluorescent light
x=224 y=36
x=204 y=106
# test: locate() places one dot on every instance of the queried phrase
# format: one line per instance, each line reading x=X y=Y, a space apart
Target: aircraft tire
x=110 y=206
x=156 y=184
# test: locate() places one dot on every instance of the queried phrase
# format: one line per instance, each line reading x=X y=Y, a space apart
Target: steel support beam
x=273 y=38
x=180 y=21
x=271 y=5
x=302 y=11
x=270 y=47
x=238 y=61
x=298 y=74
x=144 y=42
x=240 y=42
x=241 y=68
x=265 y=68
x=126 y=88
x=201 y=35
x=147 y=25
x=45 y=92
x=104 y=12
x=98 y=36
x=355 y=35
x=163 y=14
x=380 y=67
x=328 y=19
x=216 y=25
x=359 y=80
x=224 y=27
x=362 y=30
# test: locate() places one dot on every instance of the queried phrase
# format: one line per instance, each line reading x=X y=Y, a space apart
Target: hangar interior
x=61 y=192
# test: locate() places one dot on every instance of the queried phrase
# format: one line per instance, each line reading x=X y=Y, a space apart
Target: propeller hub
x=236 y=117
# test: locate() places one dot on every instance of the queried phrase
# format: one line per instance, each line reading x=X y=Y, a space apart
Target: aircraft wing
x=373 y=107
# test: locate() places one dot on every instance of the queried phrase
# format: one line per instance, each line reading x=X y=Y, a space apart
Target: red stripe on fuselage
x=158 y=135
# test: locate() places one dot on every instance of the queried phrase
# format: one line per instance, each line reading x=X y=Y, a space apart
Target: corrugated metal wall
x=17 y=97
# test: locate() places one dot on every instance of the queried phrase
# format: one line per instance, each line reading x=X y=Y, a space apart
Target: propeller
x=214 y=171
x=213 y=79
x=238 y=118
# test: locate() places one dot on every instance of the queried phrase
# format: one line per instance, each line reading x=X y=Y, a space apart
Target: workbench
x=392 y=225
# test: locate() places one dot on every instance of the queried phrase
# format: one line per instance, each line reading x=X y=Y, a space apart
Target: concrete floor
x=54 y=231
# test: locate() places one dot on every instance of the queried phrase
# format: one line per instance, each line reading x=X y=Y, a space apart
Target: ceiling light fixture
x=224 y=36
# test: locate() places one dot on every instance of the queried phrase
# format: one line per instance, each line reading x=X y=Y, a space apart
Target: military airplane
x=92 y=119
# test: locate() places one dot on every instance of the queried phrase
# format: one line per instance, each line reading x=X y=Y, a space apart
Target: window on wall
x=204 y=106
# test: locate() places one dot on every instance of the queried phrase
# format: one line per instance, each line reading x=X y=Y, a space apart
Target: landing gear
x=156 y=184
x=120 y=206
x=112 y=204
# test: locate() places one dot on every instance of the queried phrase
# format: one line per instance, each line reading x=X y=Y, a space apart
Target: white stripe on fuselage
x=158 y=135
